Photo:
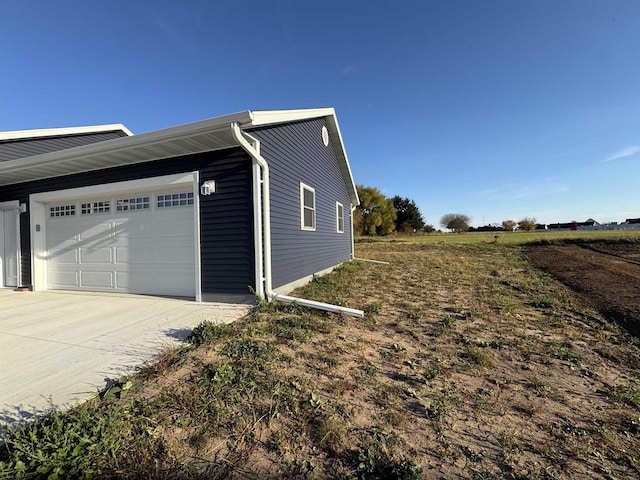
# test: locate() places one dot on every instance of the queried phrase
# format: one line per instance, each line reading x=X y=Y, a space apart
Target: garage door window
x=130 y=204
x=175 y=199
x=90 y=208
x=62 y=211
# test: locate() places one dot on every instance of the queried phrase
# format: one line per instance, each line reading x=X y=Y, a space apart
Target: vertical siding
x=296 y=153
x=226 y=219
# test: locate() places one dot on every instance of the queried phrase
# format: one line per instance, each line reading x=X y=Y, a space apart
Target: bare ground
x=607 y=276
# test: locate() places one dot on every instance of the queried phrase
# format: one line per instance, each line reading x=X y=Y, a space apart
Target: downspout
x=353 y=240
x=253 y=149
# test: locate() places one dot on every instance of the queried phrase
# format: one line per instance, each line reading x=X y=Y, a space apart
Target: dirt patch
x=606 y=276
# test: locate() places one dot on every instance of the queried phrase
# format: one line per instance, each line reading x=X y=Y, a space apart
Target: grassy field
x=469 y=363
x=517 y=238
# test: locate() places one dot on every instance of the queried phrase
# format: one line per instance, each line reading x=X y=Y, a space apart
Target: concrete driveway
x=58 y=348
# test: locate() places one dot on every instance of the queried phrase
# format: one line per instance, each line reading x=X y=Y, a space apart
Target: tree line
x=379 y=215
x=459 y=222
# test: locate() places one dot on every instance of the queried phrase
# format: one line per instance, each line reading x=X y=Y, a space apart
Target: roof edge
x=55 y=132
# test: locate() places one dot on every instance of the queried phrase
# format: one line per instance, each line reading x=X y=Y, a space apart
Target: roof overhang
x=59 y=132
x=192 y=138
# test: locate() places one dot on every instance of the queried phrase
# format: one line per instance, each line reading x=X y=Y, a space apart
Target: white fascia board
x=56 y=132
x=270 y=117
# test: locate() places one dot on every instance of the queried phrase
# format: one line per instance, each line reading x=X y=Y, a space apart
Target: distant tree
x=527 y=224
x=429 y=228
x=376 y=214
x=408 y=216
x=456 y=222
x=509 y=225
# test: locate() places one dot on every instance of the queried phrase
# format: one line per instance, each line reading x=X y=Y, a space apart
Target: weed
x=431 y=373
x=370 y=369
x=83 y=440
x=248 y=349
x=626 y=394
x=439 y=406
x=332 y=431
x=448 y=321
x=373 y=461
x=207 y=331
x=477 y=357
x=224 y=374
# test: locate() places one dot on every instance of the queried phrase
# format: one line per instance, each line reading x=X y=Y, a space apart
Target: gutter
x=251 y=145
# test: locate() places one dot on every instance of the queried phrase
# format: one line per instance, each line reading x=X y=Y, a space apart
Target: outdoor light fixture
x=208 y=187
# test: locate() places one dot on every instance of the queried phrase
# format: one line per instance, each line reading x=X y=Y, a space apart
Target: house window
x=175 y=199
x=130 y=204
x=62 y=211
x=90 y=208
x=307 y=207
x=339 y=218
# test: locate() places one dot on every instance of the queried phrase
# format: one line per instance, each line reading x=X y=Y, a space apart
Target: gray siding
x=295 y=153
x=226 y=218
x=27 y=147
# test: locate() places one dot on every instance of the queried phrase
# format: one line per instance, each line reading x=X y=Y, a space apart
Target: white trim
x=196 y=228
x=338 y=217
x=111 y=188
x=270 y=117
x=304 y=186
x=37 y=207
x=257 y=229
x=55 y=132
x=13 y=205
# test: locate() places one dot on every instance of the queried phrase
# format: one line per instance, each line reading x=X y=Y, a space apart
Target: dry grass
x=469 y=363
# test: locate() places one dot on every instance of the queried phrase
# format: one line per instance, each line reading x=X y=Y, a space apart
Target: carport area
x=58 y=348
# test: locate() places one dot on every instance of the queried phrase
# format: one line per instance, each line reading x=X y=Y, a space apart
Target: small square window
x=339 y=218
x=175 y=200
x=307 y=207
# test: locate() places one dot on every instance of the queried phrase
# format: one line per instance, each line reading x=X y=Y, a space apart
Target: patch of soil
x=606 y=276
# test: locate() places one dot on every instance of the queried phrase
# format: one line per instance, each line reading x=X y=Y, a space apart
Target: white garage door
x=139 y=242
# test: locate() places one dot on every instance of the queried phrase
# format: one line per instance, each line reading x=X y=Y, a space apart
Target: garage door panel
x=96 y=255
x=100 y=280
x=173 y=226
x=172 y=281
x=134 y=282
x=62 y=256
x=148 y=251
x=134 y=255
x=92 y=232
x=132 y=228
x=63 y=279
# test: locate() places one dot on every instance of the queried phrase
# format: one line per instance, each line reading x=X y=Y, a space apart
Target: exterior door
x=9 y=252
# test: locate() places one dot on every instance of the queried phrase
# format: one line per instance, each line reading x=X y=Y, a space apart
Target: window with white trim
x=307 y=207
x=175 y=199
x=62 y=211
x=89 y=208
x=130 y=204
x=339 y=218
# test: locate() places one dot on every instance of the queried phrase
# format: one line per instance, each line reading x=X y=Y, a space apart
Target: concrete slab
x=59 y=348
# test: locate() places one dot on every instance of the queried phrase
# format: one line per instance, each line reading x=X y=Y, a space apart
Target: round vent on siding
x=325 y=136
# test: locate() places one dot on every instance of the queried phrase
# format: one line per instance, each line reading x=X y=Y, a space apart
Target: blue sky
x=498 y=108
